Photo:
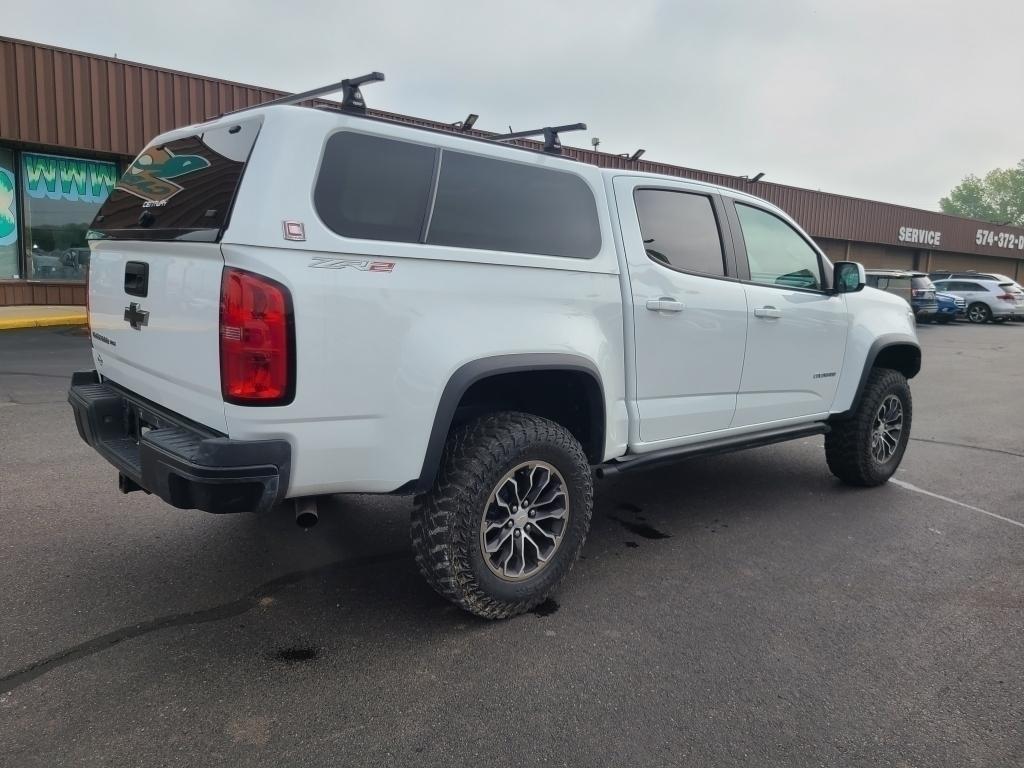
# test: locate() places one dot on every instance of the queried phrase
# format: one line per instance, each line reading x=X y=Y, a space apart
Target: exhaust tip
x=306 y=515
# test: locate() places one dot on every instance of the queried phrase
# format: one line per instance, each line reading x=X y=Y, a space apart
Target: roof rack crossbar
x=550 y=134
x=351 y=100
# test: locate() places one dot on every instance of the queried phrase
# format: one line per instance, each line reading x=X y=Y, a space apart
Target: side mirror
x=848 y=276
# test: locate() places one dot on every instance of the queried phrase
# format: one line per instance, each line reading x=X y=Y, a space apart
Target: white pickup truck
x=289 y=302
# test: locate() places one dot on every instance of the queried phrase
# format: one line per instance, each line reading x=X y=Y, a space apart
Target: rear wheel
x=507 y=515
x=979 y=313
x=867 y=448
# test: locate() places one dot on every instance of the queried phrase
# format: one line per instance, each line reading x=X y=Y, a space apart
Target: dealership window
x=60 y=197
x=8 y=218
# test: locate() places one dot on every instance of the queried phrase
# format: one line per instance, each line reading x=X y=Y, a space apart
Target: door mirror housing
x=848 y=277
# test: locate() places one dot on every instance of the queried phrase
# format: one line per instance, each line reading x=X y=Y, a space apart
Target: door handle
x=665 y=304
x=767 y=312
x=136 y=278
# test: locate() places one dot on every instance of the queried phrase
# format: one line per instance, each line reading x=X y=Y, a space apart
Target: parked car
x=970 y=275
x=987 y=300
x=915 y=288
x=951 y=307
x=483 y=326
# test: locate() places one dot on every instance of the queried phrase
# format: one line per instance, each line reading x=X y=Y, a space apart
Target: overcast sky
x=894 y=100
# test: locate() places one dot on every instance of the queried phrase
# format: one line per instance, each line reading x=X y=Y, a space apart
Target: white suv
x=289 y=302
x=988 y=299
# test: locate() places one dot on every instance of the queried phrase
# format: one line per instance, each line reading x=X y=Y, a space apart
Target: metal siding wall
x=76 y=101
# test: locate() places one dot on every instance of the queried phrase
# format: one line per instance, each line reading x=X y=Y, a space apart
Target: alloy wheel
x=525 y=520
x=887 y=429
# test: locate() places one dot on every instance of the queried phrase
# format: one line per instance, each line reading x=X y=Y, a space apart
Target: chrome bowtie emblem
x=135 y=316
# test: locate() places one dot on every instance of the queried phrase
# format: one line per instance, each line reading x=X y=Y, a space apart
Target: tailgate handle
x=136 y=278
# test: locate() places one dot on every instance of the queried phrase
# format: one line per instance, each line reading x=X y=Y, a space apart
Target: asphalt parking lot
x=737 y=610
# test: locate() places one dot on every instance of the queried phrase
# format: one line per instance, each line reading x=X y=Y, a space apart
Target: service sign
x=922 y=236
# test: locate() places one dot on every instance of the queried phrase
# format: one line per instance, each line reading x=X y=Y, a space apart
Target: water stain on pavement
x=297 y=653
x=10 y=681
x=642 y=529
x=546 y=608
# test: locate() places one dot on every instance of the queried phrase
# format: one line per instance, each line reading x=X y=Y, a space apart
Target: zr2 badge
x=363 y=265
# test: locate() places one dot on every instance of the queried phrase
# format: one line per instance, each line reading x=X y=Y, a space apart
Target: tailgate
x=164 y=345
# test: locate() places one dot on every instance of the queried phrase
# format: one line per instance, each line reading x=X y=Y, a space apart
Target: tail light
x=257 y=340
x=1006 y=297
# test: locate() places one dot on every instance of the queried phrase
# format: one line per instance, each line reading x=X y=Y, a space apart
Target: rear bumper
x=186 y=465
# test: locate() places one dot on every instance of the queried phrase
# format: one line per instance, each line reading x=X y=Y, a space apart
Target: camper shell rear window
x=181 y=189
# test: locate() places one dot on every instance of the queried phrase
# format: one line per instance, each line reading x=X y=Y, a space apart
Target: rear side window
x=498 y=205
x=374 y=188
x=679 y=230
x=180 y=190
x=776 y=253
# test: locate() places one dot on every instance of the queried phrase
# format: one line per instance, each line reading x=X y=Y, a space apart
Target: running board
x=710 y=448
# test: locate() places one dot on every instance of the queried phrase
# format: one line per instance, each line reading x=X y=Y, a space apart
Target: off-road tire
x=848 y=444
x=446 y=520
x=979 y=312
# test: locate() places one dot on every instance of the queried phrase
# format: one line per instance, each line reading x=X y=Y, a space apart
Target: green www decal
x=8 y=214
x=68 y=178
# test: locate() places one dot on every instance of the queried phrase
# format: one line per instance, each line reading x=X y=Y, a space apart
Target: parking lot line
x=911 y=487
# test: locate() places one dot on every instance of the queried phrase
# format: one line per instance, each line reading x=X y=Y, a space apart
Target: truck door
x=797 y=330
x=689 y=311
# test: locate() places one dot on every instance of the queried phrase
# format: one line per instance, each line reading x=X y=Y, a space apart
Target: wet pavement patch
x=546 y=608
x=296 y=654
x=632 y=544
x=642 y=529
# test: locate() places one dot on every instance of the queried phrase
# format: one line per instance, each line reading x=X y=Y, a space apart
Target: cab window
x=679 y=230
x=776 y=253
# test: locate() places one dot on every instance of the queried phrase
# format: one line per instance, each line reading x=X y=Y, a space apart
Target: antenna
x=550 y=134
x=352 y=97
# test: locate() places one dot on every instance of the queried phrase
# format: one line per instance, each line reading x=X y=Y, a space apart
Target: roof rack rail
x=550 y=134
x=351 y=100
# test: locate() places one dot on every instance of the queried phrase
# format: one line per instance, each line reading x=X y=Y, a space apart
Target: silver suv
x=988 y=298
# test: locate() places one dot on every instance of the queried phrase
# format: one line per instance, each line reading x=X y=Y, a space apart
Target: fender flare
x=474 y=371
x=884 y=342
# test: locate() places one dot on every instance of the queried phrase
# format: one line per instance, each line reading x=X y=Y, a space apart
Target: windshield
x=182 y=189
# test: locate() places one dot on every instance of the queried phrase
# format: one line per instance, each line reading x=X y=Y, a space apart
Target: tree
x=999 y=197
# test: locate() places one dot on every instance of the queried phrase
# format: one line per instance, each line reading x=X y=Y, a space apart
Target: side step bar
x=722 y=445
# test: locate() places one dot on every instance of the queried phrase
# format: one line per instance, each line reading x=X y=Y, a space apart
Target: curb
x=44 y=321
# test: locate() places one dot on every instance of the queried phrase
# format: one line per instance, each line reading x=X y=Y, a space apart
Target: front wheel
x=866 y=448
x=507 y=515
